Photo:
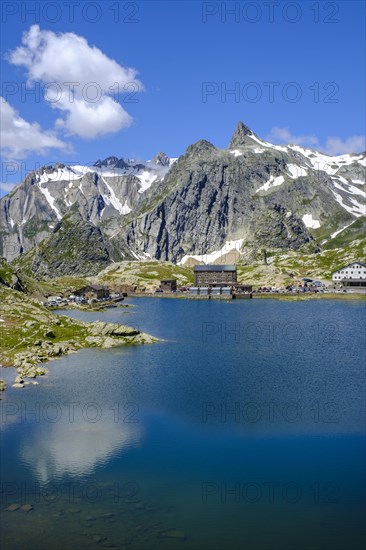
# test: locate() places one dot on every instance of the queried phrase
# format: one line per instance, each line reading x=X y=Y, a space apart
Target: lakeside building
x=124 y=289
x=168 y=285
x=352 y=275
x=214 y=275
x=92 y=291
x=243 y=289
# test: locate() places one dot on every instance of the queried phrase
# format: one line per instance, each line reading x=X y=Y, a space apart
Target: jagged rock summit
x=161 y=159
x=240 y=136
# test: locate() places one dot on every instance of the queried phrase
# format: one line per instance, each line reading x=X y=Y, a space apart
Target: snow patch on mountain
x=350 y=201
x=113 y=199
x=328 y=164
x=125 y=209
x=309 y=222
x=296 y=171
x=347 y=187
x=50 y=200
x=59 y=174
x=147 y=179
x=272 y=182
x=267 y=144
x=211 y=257
x=112 y=168
x=340 y=230
x=356 y=210
x=141 y=256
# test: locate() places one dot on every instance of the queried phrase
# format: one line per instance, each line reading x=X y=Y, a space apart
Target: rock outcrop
x=75 y=247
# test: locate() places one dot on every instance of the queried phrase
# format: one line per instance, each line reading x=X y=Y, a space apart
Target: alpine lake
x=242 y=429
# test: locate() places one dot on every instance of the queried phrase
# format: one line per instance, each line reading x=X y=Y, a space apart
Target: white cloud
x=353 y=144
x=6 y=187
x=89 y=120
x=81 y=81
x=283 y=135
x=19 y=137
x=332 y=146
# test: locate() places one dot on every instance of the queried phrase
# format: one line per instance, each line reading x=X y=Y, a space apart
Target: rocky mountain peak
x=161 y=159
x=239 y=137
x=50 y=168
x=112 y=162
x=200 y=147
x=109 y=161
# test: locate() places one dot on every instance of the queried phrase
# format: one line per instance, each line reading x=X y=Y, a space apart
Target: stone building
x=214 y=275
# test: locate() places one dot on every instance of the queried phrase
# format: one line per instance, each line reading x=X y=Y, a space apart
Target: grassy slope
x=16 y=310
x=145 y=274
x=6 y=272
x=317 y=266
x=355 y=231
x=35 y=287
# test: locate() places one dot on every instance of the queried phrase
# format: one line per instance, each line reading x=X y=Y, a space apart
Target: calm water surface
x=242 y=429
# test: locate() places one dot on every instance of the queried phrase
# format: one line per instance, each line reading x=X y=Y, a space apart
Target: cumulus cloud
x=19 y=137
x=337 y=146
x=283 y=135
x=89 y=120
x=79 y=80
x=332 y=145
x=6 y=187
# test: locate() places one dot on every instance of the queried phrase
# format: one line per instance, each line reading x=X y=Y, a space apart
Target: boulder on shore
x=100 y=328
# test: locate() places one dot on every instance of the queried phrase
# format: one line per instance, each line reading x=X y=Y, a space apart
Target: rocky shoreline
x=31 y=335
x=100 y=334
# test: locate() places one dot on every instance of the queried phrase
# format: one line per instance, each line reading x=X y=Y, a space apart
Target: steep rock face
x=103 y=193
x=24 y=219
x=75 y=247
x=239 y=137
x=262 y=196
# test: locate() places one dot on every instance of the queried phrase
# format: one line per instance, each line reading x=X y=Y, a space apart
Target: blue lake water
x=242 y=429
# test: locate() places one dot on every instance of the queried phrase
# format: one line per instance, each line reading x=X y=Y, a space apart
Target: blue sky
x=297 y=69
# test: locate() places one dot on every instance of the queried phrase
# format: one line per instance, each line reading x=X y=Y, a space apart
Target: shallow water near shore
x=242 y=429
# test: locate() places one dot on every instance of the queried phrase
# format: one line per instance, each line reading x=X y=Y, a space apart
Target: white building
x=353 y=274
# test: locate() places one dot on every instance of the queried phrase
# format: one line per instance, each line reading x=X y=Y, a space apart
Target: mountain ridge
x=254 y=194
